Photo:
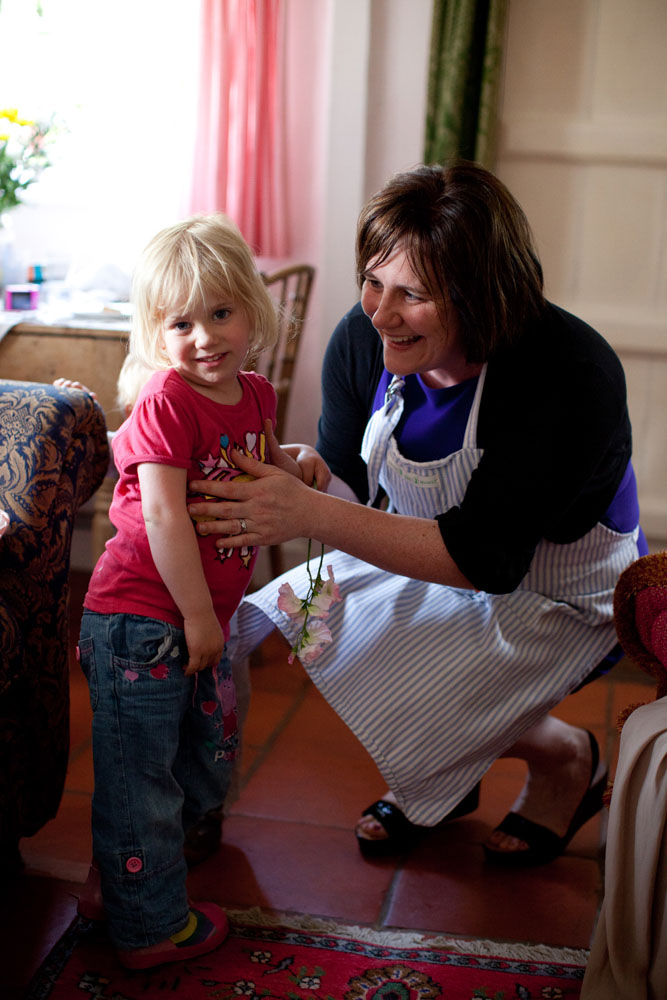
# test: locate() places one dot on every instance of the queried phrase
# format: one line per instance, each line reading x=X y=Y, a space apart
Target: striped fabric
x=379 y=433
x=437 y=682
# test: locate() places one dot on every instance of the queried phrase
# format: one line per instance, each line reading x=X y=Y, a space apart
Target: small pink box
x=21 y=297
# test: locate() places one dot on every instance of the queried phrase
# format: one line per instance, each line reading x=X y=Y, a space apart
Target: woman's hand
x=275 y=507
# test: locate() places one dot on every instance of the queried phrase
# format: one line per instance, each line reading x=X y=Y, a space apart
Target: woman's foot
x=391 y=832
x=369 y=827
x=206 y=929
x=384 y=829
x=560 y=793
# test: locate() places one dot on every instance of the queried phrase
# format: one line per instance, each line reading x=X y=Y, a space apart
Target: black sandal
x=543 y=844
x=401 y=833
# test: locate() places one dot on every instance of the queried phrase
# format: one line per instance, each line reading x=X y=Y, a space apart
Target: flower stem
x=312 y=592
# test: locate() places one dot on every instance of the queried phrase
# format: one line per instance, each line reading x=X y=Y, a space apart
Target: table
x=92 y=354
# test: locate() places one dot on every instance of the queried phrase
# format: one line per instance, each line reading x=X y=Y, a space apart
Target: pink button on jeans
x=134 y=864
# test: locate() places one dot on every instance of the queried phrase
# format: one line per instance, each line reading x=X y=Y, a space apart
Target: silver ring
x=244 y=526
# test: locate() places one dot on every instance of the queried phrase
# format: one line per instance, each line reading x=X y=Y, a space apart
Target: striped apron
x=438 y=682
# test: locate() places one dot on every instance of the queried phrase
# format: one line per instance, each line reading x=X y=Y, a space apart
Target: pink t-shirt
x=172 y=424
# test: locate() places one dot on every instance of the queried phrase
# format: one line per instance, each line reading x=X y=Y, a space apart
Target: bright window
x=123 y=77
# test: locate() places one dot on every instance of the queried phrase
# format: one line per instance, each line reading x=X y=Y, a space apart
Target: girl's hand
x=314 y=470
x=66 y=383
x=299 y=460
x=205 y=642
x=278 y=456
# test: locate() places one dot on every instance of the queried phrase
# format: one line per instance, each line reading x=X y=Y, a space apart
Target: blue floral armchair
x=53 y=456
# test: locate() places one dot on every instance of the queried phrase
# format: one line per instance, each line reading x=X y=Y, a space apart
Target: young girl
x=157 y=610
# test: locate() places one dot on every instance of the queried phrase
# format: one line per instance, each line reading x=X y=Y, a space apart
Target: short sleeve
x=161 y=430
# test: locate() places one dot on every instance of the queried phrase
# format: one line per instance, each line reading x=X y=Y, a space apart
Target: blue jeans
x=163 y=752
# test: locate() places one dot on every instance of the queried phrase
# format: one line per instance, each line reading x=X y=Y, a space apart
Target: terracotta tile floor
x=288 y=842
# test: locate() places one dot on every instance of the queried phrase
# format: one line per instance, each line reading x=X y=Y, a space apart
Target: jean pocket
x=86 y=652
x=146 y=645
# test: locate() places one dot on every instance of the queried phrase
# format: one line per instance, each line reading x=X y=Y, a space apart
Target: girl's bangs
x=181 y=291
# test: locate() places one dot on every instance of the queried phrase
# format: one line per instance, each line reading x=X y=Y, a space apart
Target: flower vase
x=10 y=266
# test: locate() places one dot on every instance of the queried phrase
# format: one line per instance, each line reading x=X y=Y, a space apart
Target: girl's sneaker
x=206 y=929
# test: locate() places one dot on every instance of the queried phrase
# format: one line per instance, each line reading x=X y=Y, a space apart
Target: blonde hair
x=204 y=256
x=132 y=377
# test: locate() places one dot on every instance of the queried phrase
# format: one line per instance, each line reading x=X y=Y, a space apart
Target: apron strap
x=470 y=436
x=378 y=434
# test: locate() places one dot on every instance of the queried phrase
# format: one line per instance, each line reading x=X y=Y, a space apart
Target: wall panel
x=583 y=146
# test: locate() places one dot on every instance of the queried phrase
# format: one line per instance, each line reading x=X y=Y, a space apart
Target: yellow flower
x=12 y=115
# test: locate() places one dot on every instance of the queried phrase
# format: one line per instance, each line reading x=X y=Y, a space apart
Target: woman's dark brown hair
x=469 y=243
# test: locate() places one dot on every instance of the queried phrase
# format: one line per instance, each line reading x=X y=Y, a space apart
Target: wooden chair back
x=291 y=287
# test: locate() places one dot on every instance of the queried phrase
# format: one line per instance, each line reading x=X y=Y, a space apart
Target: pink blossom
x=290 y=604
x=311 y=641
x=309 y=611
x=310 y=653
x=325 y=595
x=317 y=632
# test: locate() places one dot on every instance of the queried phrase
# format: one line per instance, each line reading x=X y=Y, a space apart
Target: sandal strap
x=396 y=825
x=542 y=842
x=595 y=754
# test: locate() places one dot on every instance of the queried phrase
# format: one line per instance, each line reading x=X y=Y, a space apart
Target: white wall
x=361 y=96
x=338 y=186
x=398 y=77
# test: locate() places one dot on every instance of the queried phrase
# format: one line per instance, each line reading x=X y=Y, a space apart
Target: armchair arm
x=53 y=456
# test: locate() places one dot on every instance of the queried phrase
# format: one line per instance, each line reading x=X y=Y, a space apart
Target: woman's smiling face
x=418 y=332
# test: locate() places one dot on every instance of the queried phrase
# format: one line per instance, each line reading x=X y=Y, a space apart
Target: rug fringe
x=520 y=951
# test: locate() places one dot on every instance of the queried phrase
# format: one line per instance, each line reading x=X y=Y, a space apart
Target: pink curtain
x=239 y=163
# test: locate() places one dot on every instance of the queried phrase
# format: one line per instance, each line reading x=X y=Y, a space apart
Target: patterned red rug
x=262 y=961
